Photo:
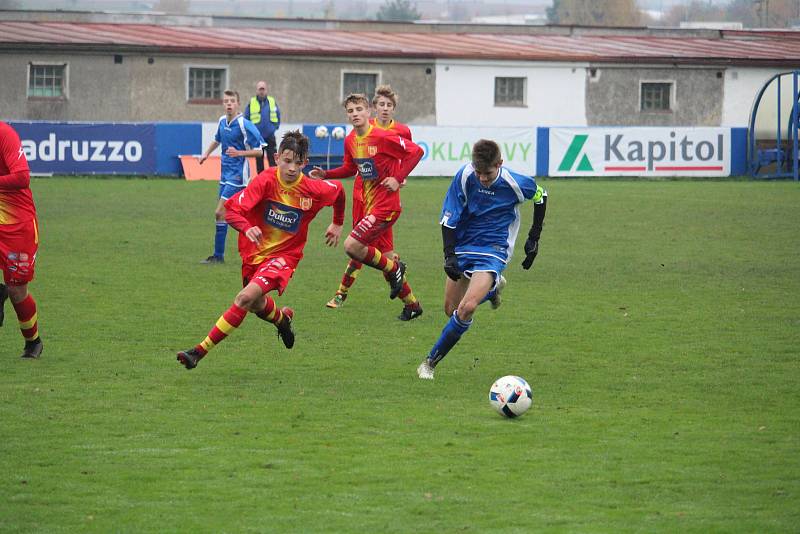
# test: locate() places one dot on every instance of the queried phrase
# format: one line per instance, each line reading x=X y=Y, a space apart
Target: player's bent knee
x=353 y=248
x=17 y=293
x=245 y=300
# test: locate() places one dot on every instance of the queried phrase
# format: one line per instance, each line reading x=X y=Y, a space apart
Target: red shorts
x=18 y=245
x=272 y=273
x=375 y=230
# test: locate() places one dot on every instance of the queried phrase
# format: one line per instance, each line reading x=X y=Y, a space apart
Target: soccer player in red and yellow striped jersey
x=384 y=104
x=382 y=161
x=19 y=239
x=272 y=215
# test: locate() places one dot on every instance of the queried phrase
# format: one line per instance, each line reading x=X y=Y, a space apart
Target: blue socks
x=451 y=333
x=219 y=239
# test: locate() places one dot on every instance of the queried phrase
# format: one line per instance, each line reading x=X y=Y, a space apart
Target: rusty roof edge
x=425 y=57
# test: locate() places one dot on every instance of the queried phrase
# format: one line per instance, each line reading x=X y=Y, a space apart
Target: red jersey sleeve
x=237 y=207
x=348 y=167
x=14 y=171
x=403 y=130
x=403 y=149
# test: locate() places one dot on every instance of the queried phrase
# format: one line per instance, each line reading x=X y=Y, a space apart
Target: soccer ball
x=321 y=131
x=511 y=396
x=338 y=133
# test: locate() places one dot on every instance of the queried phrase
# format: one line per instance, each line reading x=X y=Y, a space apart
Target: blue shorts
x=226 y=191
x=480 y=263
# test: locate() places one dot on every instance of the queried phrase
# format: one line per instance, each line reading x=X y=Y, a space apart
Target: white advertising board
x=448 y=148
x=661 y=151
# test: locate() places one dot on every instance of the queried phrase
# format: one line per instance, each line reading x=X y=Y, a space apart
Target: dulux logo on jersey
x=366 y=167
x=283 y=217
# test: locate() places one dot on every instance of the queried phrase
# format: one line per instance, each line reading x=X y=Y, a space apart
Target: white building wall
x=556 y=94
x=742 y=84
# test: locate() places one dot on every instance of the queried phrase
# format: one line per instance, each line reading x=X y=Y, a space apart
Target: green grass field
x=659 y=329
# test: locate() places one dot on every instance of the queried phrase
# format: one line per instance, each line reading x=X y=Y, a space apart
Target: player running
x=382 y=161
x=480 y=221
x=239 y=139
x=385 y=104
x=19 y=239
x=272 y=216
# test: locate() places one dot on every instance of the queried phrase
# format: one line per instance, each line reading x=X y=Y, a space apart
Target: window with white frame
x=47 y=81
x=509 y=91
x=656 y=96
x=359 y=82
x=207 y=83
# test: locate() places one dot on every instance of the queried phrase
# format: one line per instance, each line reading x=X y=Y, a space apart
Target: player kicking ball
x=480 y=221
x=272 y=216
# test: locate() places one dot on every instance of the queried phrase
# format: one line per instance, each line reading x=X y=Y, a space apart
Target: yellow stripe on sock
x=409 y=299
x=225 y=326
x=24 y=325
x=34 y=337
x=207 y=344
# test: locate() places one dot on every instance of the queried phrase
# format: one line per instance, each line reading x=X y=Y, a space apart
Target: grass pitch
x=659 y=329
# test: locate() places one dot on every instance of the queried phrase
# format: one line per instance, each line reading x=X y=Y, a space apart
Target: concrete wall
x=465 y=94
x=612 y=96
x=153 y=88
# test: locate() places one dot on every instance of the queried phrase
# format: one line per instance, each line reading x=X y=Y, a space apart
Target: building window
x=509 y=92
x=47 y=81
x=656 y=96
x=359 y=82
x=206 y=84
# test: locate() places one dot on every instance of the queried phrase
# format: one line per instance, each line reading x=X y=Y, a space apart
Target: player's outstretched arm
x=254 y=153
x=532 y=243
x=211 y=148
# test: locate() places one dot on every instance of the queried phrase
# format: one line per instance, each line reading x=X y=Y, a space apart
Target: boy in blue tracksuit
x=239 y=139
x=480 y=221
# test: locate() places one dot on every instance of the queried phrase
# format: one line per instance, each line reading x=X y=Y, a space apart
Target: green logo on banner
x=572 y=154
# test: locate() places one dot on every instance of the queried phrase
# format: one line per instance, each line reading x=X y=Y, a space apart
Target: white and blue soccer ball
x=511 y=396
x=321 y=131
x=338 y=133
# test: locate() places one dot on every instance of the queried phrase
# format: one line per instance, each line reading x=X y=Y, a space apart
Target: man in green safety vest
x=263 y=111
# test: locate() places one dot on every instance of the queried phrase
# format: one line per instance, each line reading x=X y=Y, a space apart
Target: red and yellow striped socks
x=271 y=313
x=349 y=277
x=28 y=317
x=224 y=327
x=379 y=261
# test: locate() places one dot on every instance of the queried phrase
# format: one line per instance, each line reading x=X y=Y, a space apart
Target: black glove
x=531 y=250
x=451 y=267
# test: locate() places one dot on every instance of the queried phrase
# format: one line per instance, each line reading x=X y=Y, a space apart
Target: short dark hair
x=485 y=154
x=230 y=92
x=296 y=142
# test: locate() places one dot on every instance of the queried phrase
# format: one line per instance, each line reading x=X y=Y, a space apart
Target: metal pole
x=779 y=147
x=795 y=127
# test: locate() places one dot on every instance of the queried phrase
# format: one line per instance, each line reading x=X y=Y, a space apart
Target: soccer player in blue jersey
x=239 y=139
x=480 y=221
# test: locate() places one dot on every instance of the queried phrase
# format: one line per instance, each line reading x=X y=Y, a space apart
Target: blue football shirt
x=487 y=219
x=240 y=134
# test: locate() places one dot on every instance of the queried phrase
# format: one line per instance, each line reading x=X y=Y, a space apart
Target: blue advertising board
x=88 y=148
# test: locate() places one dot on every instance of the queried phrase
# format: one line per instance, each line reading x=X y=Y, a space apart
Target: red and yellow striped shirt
x=283 y=211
